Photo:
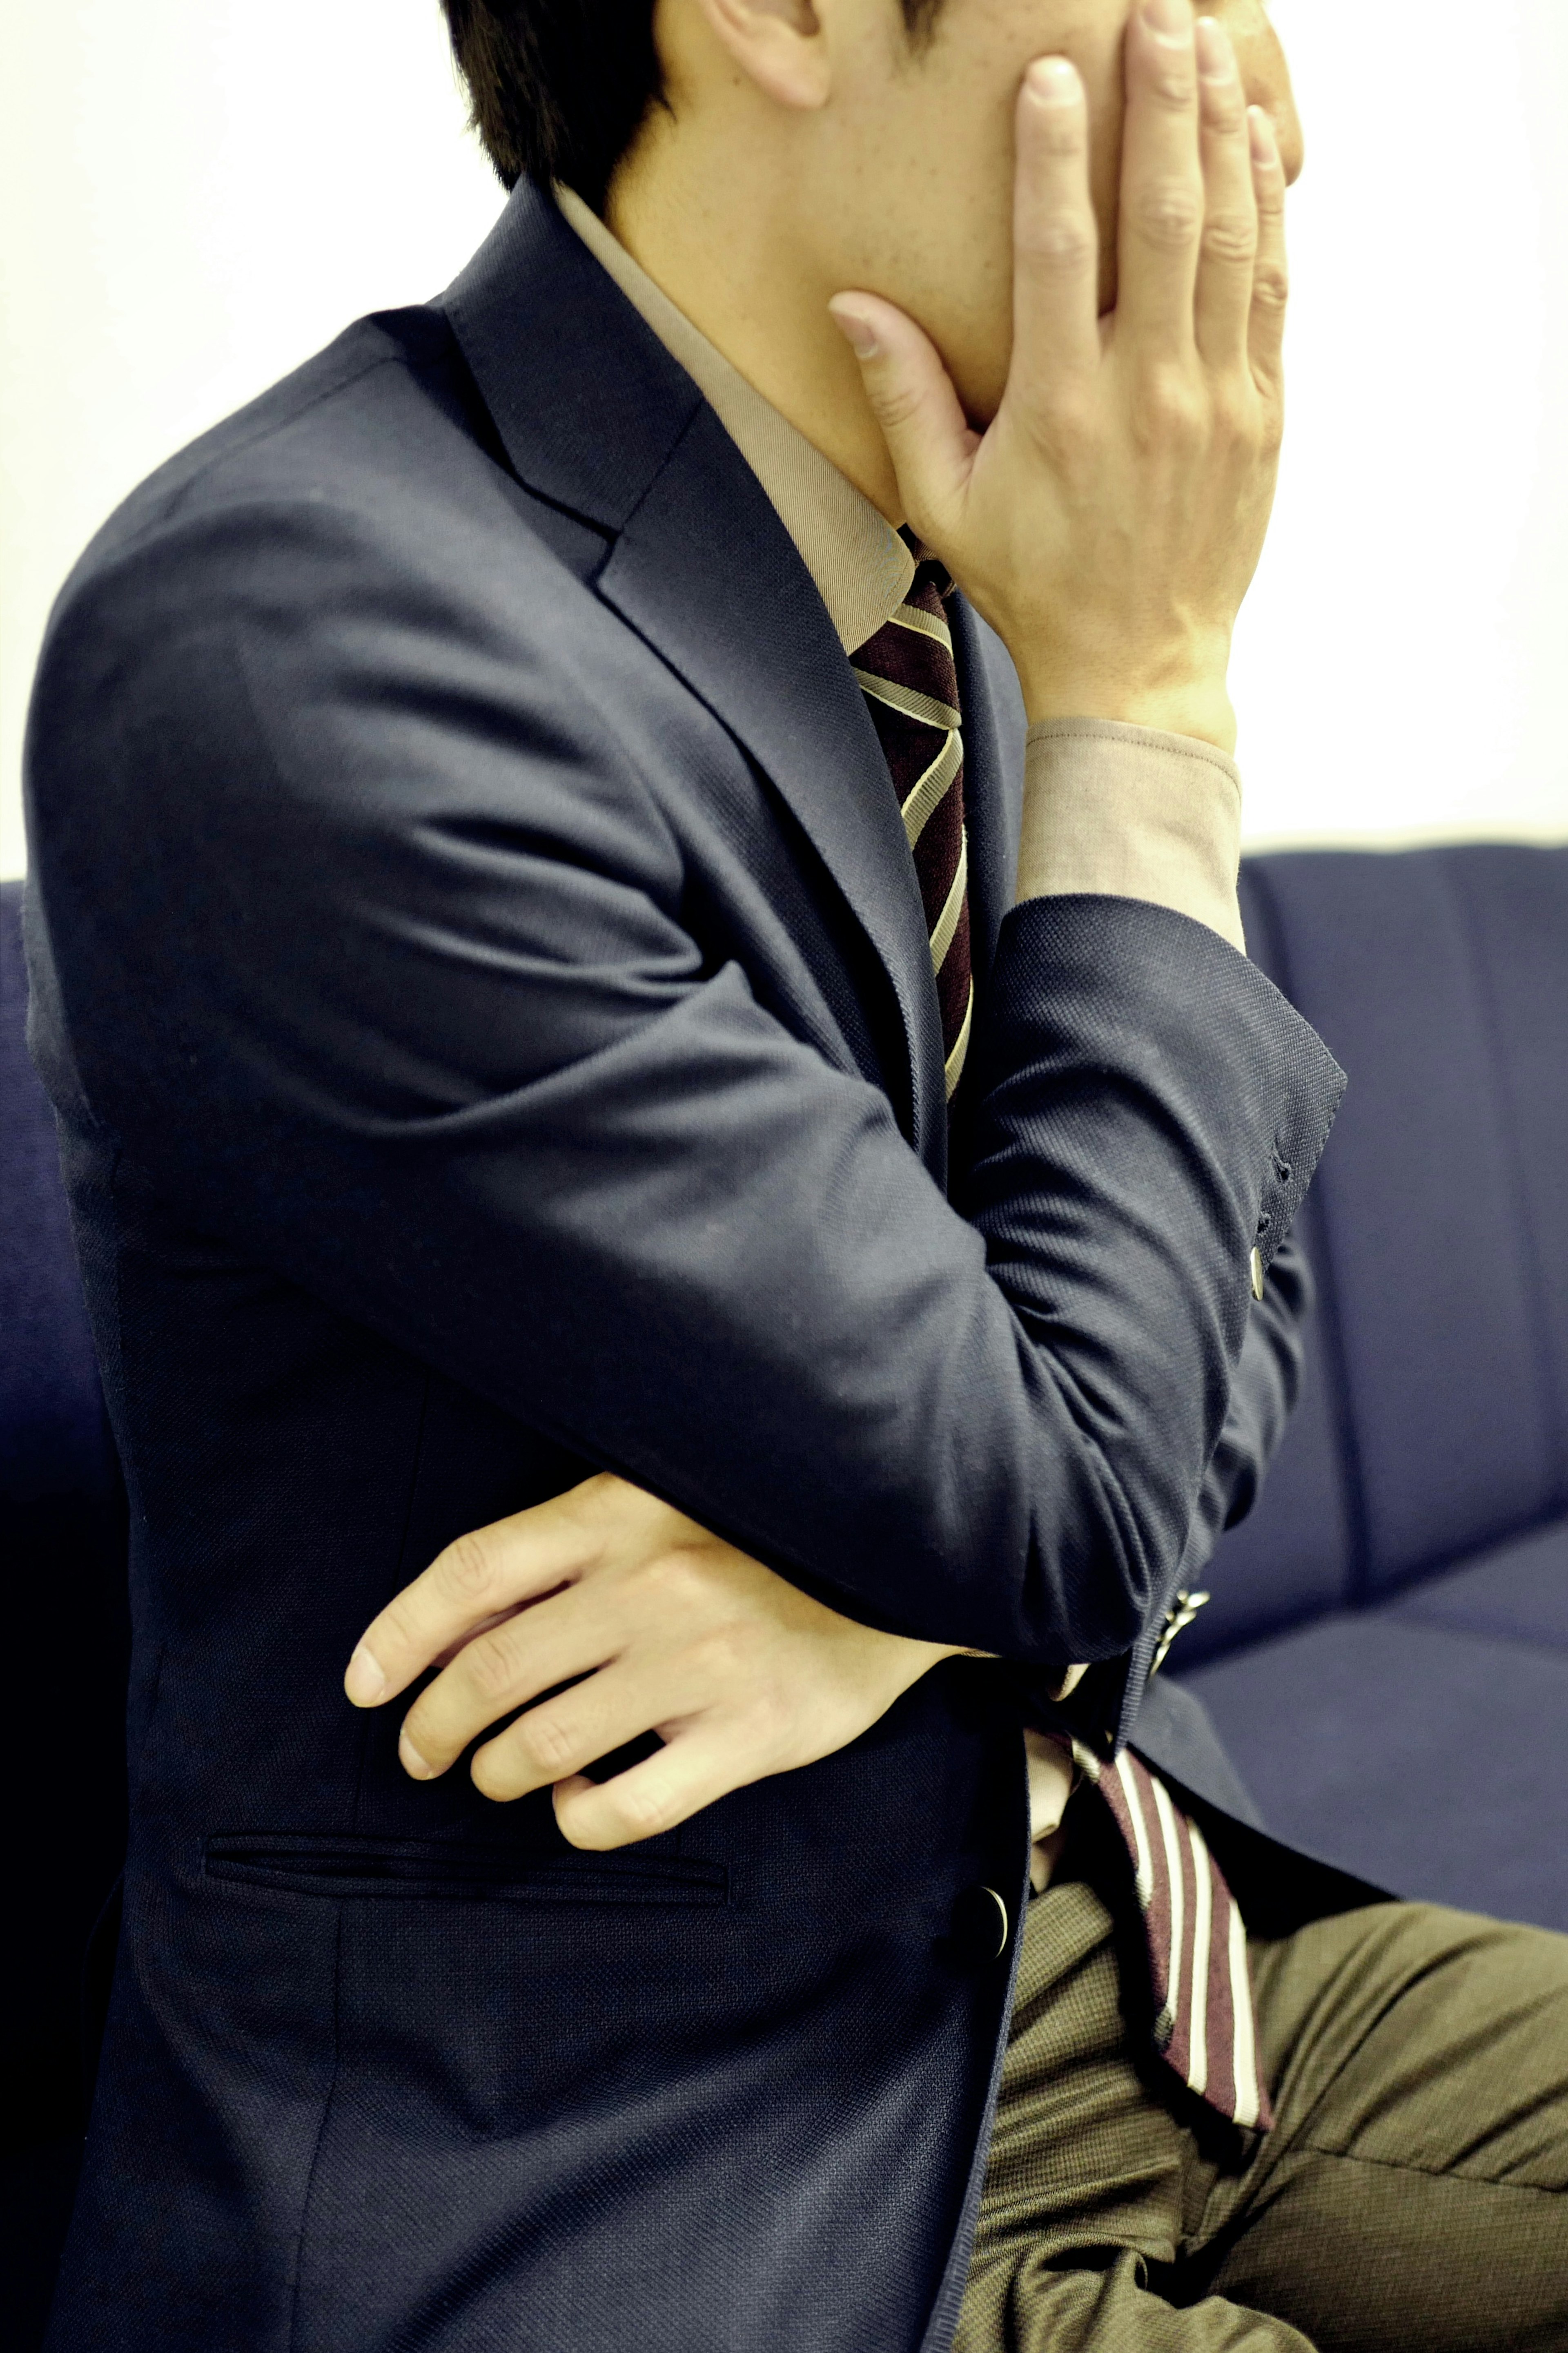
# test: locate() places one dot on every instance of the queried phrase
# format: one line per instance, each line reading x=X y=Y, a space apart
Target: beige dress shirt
x=1106 y=807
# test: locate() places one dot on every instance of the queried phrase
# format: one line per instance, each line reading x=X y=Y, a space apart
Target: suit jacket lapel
x=596 y=415
x=993 y=730
x=707 y=573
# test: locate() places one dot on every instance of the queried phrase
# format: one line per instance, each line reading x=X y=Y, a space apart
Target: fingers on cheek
x=1268 y=172
x=1219 y=82
x=1161 y=60
x=1053 y=132
x=1051 y=113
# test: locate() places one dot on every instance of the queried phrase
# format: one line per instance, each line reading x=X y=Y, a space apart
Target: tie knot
x=932 y=576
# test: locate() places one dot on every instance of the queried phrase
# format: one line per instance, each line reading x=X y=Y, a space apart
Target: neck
x=716 y=234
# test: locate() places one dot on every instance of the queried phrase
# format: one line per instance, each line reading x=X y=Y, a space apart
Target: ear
x=780 y=44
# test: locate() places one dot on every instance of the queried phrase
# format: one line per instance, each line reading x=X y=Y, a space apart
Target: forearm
x=1263 y=1395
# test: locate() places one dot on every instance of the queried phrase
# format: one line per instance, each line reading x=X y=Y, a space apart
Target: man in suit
x=672 y=1132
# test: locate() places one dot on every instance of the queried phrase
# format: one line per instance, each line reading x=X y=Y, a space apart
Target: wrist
x=1187 y=698
x=1203 y=713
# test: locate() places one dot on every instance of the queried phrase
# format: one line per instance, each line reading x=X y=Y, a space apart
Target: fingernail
x=365 y=1682
x=857 y=330
x=1168 y=19
x=412 y=1762
x=1214 y=59
x=1261 y=134
x=1053 y=81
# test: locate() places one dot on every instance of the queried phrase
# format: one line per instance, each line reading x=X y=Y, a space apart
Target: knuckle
x=467 y=1568
x=1062 y=241
x=894 y=403
x=398 y=1621
x=545 y=1743
x=677 y=1576
x=1271 y=286
x=643 y=1810
x=773 y=1717
x=1229 y=237
x=723 y=1656
x=1066 y=424
x=1225 y=109
x=1170 y=412
x=1173 y=85
x=1167 y=214
x=488 y=1668
x=1235 y=413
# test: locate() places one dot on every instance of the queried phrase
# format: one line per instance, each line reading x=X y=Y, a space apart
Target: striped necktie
x=910 y=686
x=1204 y=2022
x=1203 y=2026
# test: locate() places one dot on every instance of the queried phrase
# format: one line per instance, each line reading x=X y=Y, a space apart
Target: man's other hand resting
x=652 y=1625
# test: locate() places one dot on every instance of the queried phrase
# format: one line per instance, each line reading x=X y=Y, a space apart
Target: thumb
x=911 y=397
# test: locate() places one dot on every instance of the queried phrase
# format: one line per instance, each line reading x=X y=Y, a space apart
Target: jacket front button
x=981 y=1925
x=1256 y=1272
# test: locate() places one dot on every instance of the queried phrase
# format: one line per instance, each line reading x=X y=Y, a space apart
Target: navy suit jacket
x=481 y=978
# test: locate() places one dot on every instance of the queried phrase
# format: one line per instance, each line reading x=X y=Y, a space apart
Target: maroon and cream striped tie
x=1204 y=2022
x=912 y=689
x=1197 y=1945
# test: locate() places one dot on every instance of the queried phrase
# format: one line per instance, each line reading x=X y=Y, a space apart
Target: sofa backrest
x=52 y=1440
x=1435 y=1416
x=62 y=1544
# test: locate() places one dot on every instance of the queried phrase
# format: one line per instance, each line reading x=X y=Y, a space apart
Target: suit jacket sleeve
x=367 y=927
x=1104 y=1708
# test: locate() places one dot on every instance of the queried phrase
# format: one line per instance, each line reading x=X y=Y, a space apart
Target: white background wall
x=198 y=193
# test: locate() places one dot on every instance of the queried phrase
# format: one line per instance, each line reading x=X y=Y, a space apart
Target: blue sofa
x=1386 y=1644
x=62 y=1575
x=1387 y=1648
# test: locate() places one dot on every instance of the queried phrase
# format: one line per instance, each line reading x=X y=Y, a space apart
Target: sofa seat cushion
x=1427 y=1753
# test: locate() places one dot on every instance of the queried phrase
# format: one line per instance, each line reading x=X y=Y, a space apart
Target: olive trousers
x=1413 y=2192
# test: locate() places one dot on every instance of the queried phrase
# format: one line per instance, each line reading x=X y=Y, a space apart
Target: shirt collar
x=861 y=566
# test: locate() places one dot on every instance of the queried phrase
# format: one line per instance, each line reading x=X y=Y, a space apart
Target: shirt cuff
x=1130 y=813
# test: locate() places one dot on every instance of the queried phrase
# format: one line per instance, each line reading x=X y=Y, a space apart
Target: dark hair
x=558 y=87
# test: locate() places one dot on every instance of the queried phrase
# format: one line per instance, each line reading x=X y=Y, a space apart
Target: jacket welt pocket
x=350 y=1865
